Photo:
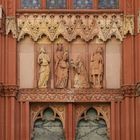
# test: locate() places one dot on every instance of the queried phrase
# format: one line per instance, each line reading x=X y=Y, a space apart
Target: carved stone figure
x=61 y=67
x=81 y=76
x=44 y=72
x=96 y=69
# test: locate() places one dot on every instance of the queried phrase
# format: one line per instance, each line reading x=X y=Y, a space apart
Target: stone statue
x=96 y=68
x=44 y=72
x=81 y=76
x=61 y=68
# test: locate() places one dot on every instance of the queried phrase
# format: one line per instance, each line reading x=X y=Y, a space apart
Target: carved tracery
x=92 y=125
x=47 y=125
x=70 y=25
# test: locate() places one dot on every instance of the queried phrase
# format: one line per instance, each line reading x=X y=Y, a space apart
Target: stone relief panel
x=44 y=68
x=61 y=63
x=96 y=64
x=78 y=64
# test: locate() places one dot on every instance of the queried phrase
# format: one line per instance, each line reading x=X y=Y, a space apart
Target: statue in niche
x=61 y=67
x=96 y=68
x=81 y=76
x=44 y=71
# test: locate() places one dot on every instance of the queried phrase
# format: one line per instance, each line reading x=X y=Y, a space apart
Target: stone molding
x=74 y=95
x=103 y=26
x=66 y=95
x=69 y=95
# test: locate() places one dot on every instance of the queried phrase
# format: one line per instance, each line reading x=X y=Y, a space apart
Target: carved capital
x=11 y=26
x=10 y=90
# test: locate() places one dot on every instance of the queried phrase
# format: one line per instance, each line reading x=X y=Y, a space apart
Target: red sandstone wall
x=125 y=114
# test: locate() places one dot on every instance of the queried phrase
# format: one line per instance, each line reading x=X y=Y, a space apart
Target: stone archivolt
x=71 y=25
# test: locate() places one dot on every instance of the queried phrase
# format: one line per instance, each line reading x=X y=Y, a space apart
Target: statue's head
x=99 y=50
x=65 y=55
x=42 y=50
x=59 y=47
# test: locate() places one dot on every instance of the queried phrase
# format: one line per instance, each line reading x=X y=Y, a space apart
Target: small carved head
x=99 y=50
x=42 y=50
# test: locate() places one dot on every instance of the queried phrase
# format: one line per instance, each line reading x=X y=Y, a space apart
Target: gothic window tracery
x=48 y=126
x=91 y=126
x=27 y=4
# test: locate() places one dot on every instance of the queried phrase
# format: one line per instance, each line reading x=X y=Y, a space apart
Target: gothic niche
x=48 y=126
x=91 y=126
x=61 y=66
x=80 y=73
x=44 y=70
x=79 y=64
x=96 y=68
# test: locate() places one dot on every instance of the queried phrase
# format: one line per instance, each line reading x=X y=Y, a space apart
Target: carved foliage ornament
x=11 y=26
x=70 y=26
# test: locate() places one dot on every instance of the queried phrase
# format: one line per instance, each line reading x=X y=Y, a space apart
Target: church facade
x=69 y=69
